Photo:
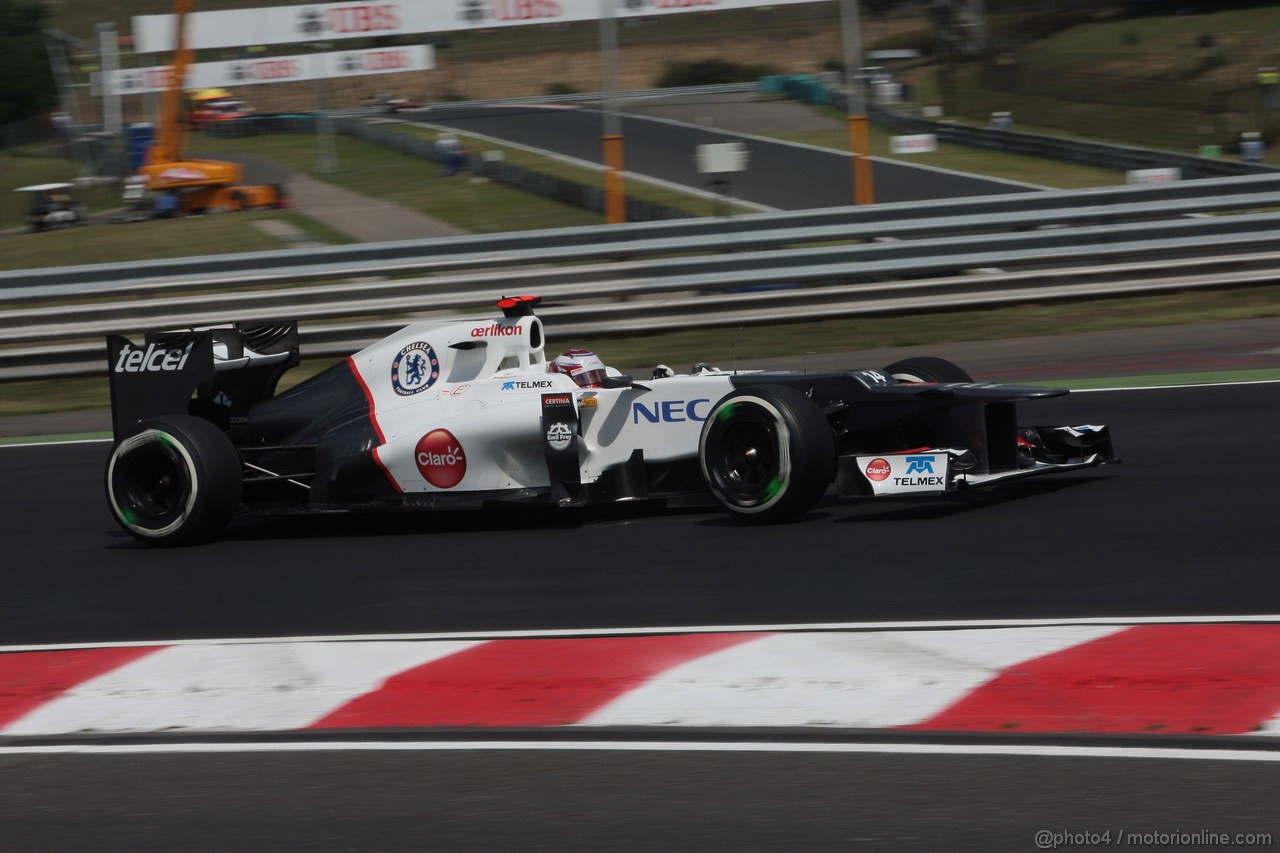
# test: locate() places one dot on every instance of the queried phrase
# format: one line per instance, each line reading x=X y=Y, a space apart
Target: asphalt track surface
x=1180 y=528
x=780 y=175
x=617 y=801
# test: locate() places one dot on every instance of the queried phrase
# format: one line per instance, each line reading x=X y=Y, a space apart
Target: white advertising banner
x=913 y=143
x=280 y=69
x=314 y=21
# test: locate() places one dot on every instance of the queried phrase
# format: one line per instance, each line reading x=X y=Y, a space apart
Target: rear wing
x=217 y=373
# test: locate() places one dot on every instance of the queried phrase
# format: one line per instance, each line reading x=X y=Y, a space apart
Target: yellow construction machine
x=199 y=185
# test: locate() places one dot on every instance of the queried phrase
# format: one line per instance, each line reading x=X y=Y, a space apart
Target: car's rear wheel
x=173 y=480
x=767 y=453
x=926 y=368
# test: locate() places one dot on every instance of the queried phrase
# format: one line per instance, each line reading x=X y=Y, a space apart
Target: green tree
x=28 y=87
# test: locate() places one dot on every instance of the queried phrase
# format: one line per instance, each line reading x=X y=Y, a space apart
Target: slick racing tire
x=927 y=369
x=174 y=480
x=767 y=453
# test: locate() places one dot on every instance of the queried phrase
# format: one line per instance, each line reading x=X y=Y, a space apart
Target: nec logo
x=670 y=411
x=919 y=465
x=152 y=359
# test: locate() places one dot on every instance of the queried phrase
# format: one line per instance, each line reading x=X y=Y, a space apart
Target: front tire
x=927 y=368
x=173 y=481
x=767 y=453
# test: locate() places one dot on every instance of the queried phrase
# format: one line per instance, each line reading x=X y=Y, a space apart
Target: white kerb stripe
x=251 y=687
x=866 y=680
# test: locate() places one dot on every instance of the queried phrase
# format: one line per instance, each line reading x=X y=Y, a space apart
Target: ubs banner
x=280 y=69
x=308 y=22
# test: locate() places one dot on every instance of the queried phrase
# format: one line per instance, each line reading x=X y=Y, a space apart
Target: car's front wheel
x=927 y=368
x=173 y=480
x=767 y=453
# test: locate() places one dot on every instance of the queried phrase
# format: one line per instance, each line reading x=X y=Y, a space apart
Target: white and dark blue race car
x=470 y=412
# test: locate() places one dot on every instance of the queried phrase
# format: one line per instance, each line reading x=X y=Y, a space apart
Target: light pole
x=326 y=153
x=856 y=104
x=615 y=201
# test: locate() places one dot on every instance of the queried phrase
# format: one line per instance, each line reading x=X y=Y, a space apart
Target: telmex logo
x=152 y=359
x=919 y=465
x=495 y=330
x=516 y=384
x=670 y=411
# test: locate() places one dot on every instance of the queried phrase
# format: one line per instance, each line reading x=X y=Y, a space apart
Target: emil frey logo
x=415 y=369
x=152 y=359
x=440 y=459
x=559 y=435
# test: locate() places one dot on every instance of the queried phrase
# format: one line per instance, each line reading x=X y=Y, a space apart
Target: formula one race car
x=464 y=413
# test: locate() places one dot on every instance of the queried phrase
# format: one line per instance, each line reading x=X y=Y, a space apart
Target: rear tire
x=767 y=453
x=174 y=480
x=927 y=369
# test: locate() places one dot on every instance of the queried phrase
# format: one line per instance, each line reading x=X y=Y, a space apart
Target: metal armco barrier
x=749 y=232
x=665 y=275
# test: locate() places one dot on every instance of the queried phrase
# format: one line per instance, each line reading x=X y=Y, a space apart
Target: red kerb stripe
x=1220 y=679
x=550 y=682
x=31 y=679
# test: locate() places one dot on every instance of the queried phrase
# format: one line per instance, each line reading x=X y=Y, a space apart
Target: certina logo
x=478 y=11
x=415 y=369
x=557 y=400
x=878 y=469
x=670 y=411
x=495 y=331
x=559 y=435
x=363 y=18
x=151 y=360
x=517 y=384
x=440 y=459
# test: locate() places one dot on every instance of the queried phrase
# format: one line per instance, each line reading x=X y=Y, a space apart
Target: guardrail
x=750 y=232
x=756 y=268
x=1104 y=155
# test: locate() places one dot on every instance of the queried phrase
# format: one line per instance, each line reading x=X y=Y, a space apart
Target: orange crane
x=200 y=184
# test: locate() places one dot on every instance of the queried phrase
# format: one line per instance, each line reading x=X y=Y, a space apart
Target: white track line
x=1207 y=754
x=939 y=624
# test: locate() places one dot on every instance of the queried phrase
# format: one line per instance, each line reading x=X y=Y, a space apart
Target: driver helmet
x=582 y=366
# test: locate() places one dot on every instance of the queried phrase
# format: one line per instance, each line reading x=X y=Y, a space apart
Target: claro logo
x=440 y=459
x=152 y=359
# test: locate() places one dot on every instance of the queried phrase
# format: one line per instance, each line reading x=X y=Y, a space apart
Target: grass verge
x=161 y=238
